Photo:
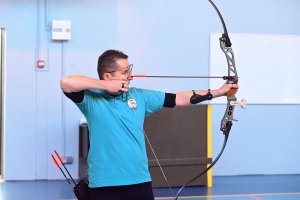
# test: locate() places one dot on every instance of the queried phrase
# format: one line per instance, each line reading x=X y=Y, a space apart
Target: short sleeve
x=154 y=100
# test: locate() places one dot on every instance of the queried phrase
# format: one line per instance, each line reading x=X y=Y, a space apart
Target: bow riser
x=228 y=116
x=230 y=62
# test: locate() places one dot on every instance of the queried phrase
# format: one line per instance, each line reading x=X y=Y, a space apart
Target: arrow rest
x=230 y=78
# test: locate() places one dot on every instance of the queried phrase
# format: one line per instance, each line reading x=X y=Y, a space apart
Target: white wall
x=177 y=44
x=265 y=58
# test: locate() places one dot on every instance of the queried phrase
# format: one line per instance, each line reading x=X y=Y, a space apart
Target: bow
x=231 y=78
x=227 y=119
x=225 y=45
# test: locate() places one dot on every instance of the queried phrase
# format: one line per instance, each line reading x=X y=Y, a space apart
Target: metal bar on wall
x=2 y=102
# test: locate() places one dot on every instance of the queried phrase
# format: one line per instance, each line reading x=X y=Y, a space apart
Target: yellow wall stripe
x=209 y=142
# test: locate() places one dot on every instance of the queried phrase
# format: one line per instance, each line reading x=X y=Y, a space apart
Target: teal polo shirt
x=117 y=154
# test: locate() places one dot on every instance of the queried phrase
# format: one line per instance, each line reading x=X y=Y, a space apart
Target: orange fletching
x=55 y=160
x=139 y=76
x=58 y=156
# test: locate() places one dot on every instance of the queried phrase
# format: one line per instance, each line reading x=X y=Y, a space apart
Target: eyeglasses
x=127 y=71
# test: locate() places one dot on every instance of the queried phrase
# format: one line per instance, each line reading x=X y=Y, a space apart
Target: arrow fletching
x=54 y=160
x=58 y=157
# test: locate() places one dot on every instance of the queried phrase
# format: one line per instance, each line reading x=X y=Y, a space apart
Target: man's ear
x=106 y=76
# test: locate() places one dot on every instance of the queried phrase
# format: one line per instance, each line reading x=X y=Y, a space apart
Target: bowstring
x=144 y=41
x=137 y=56
x=159 y=164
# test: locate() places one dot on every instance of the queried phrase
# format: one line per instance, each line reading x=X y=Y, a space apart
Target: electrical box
x=61 y=30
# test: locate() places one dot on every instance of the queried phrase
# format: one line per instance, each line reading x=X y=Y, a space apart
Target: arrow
x=146 y=76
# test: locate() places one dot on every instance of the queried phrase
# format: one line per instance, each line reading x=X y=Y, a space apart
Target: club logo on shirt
x=132 y=103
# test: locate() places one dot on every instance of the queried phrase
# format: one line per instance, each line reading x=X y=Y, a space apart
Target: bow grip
x=231 y=91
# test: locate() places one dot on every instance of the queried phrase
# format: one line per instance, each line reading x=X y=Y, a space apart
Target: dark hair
x=107 y=61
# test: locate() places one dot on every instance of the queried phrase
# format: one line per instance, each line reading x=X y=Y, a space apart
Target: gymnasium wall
x=161 y=38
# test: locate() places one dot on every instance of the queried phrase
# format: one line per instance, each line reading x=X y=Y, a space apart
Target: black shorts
x=142 y=191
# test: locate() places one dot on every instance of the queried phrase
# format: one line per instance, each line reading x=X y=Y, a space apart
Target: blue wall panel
x=176 y=44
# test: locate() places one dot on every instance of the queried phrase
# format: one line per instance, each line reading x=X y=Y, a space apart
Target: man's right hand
x=116 y=87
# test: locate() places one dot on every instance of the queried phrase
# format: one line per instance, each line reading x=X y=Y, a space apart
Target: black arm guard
x=196 y=98
x=170 y=100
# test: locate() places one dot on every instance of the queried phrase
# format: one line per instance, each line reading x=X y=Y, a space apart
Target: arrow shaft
x=146 y=76
x=182 y=76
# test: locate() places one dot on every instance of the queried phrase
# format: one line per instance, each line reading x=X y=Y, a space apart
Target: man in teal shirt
x=115 y=112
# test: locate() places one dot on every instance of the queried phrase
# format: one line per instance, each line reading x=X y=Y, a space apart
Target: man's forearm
x=78 y=83
x=183 y=98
